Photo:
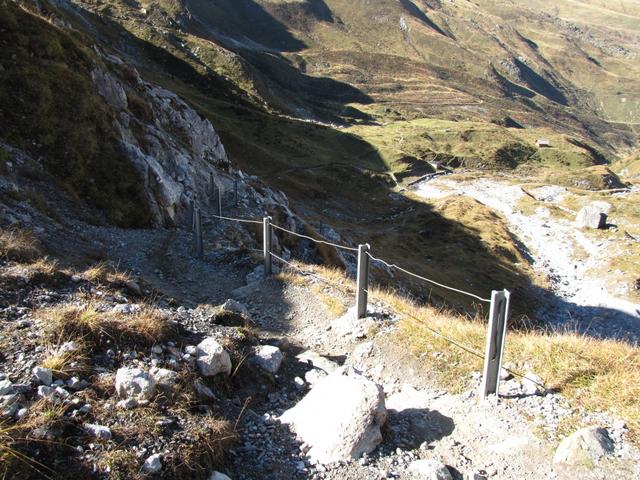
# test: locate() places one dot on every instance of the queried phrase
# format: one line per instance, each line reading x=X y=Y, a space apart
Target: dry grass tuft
x=106 y=274
x=211 y=438
x=290 y=277
x=19 y=245
x=42 y=271
x=147 y=327
x=65 y=364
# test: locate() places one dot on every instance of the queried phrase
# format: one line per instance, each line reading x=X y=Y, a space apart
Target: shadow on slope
x=415 y=12
x=245 y=24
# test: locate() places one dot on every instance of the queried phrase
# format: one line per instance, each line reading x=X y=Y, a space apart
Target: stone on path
x=235 y=307
x=212 y=358
x=429 y=470
x=152 y=464
x=269 y=358
x=340 y=418
x=98 y=431
x=584 y=447
x=44 y=375
x=592 y=216
x=134 y=384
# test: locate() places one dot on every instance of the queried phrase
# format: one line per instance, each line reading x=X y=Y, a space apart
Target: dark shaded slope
x=415 y=12
x=539 y=84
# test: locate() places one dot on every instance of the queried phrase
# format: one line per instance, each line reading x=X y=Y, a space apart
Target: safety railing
x=499 y=301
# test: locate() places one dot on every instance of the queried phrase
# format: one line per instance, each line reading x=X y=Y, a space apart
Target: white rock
x=591 y=216
x=6 y=387
x=429 y=470
x=126 y=308
x=67 y=347
x=212 y=358
x=135 y=384
x=584 y=447
x=157 y=349
x=76 y=383
x=98 y=431
x=152 y=464
x=340 y=418
x=236 y=307
x=44 y=375
x=269 y=358
x=164 y=377
x=191 y=350
x=531 y=383
x=219 y=476
x=45 y=392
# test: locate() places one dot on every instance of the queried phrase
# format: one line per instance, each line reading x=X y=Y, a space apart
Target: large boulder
x=212 y=358
x=593 y=215
x=584 y=447
x=135 y=384
x=340 y=418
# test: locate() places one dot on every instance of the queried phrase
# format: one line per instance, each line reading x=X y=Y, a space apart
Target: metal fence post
x=266 y=241
x=198 y=233
x=496 y=333
x=362 y=281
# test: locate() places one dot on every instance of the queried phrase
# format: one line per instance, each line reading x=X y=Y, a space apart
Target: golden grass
x=65 y=364
x=17 y=443
x=41 y=271
x=146 y=327
x=333 y=305
x=598 y=375
x=106 y=274
x=19 y=245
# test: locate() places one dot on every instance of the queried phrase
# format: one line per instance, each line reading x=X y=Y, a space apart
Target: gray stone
x=76 y=383
x=212 y=358
x=165 y=379
x=340 y=418
x=134 y=384
x=98 y=431
x=152 y=464
x=429 y=470
x=269 y=358
x=584 y=447
x=236 y=307
x=126 y=309
x=6 y=387
x=44 y=375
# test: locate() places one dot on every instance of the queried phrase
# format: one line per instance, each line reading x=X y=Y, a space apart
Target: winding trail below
x=579 y=299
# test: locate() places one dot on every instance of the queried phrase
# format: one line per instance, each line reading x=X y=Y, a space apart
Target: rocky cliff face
x=177 y=152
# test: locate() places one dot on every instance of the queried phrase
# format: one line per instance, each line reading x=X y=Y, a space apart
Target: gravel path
x=580 y=300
